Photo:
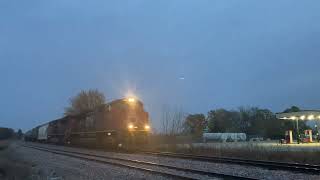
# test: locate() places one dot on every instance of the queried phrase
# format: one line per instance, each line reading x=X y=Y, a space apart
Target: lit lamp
x=147 y=127
x=311 y=117
x=131 y=100
x=130 y=127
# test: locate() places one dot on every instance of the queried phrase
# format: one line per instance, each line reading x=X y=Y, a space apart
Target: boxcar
x=34 y=134
x=43 y=133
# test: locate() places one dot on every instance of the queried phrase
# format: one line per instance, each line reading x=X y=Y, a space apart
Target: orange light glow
x=131 y=100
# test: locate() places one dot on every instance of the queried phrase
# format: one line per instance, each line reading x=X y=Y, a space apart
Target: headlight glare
x=130 y=126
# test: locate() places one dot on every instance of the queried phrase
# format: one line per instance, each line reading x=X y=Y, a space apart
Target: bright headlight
x=147 y=127
x=131 y=100
x=130 y=126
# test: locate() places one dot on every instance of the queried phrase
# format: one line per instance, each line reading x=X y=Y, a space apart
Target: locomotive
x=118 y=123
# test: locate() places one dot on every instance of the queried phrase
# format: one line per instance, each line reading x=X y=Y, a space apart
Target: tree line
x=253 y=121
x=6 y=133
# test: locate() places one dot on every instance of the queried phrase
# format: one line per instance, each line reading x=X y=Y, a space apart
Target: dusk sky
x=230 y=53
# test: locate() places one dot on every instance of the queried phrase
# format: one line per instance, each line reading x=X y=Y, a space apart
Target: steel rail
x=304 y=168
x=188 y=170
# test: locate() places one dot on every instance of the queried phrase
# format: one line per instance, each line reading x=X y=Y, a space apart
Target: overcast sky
x=194 y=54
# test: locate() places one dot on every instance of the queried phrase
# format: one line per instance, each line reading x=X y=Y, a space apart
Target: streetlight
x=311 y=117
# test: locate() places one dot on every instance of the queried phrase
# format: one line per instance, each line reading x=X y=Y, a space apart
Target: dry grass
x=11 y=167
x=269 y=151
x=249 y=152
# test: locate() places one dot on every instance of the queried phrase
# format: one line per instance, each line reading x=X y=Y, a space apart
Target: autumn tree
x=222 y=120
x=194 y=124
x=85 y=101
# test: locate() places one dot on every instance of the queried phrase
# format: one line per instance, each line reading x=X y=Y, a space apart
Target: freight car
x=120 y=122
x=31 y=135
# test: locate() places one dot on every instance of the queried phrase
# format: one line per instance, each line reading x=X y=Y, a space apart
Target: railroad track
x=189 y=173
x=296 y=167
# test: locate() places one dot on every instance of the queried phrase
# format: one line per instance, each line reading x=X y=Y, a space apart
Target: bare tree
x=85 y=101
x=172 y=120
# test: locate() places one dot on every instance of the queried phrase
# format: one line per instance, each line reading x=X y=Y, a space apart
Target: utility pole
x=298 y=139
x=317 y=132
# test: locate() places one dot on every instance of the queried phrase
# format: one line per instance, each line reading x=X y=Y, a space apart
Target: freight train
x=122 y=122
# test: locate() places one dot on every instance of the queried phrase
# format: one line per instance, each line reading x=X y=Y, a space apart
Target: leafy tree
x=221 y=120
x=6 y=133
x=291 y=125
x=194 y=124
x=264 y=123
x=244 y=119
x=85 y=101
x=292 y=109
x=19 y=134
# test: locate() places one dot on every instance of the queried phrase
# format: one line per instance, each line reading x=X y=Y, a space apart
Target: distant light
x=292 y=117
x=181 y=78
x=284 y=118
x=130 y=126
x=310 y=117
x=318 y=117
x=303 y=117
x=147 y=127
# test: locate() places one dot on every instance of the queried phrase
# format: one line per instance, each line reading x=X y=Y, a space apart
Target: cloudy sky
x=194 y=54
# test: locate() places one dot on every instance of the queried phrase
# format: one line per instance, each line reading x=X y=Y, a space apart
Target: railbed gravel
x=232 y=169
x=49 y=166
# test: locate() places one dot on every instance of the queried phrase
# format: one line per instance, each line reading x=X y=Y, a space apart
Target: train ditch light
x=130 y=127
x=147 y=127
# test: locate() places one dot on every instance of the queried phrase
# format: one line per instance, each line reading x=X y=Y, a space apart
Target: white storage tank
x=224 y=137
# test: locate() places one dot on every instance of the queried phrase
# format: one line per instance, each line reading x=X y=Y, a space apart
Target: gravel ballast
x=232 y=169
x=51 y=166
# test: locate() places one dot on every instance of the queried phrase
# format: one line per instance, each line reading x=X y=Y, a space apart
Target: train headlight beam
x=131 y=100
x=147 y=127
